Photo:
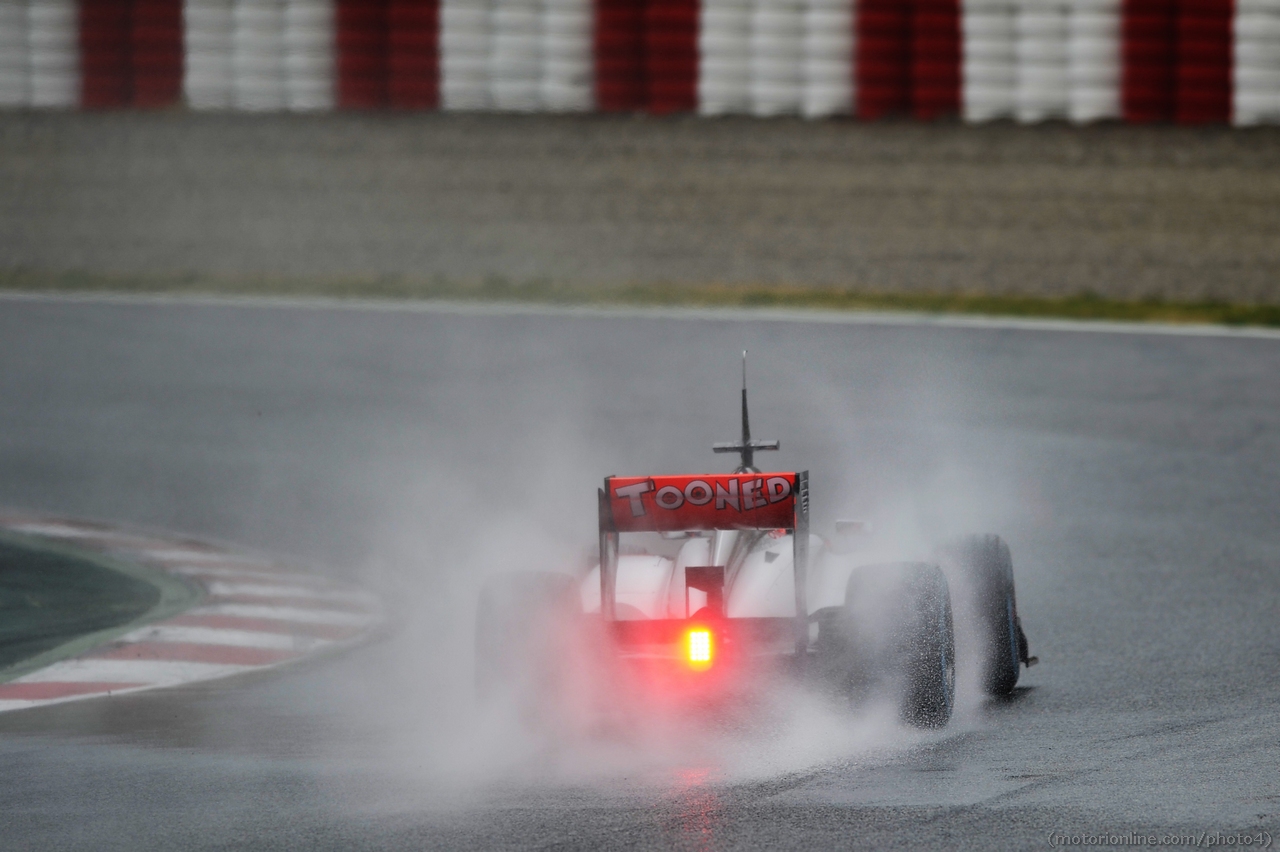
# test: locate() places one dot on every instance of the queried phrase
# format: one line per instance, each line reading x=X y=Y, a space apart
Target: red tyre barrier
x=104 y=53
x=1203 y=78
x=882 y=64
x=361 y=36
x=935 y=59
x=671 y=56
x=157 y=52
x=1147 y=54
x=413 y=63
x=618 y=45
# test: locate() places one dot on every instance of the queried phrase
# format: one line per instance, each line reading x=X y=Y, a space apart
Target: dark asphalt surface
x=1133 y=475
x=1128 y=212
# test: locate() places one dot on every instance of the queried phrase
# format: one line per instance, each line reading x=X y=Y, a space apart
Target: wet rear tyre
x=900 y=613
x=519 y=617
x=981 y=569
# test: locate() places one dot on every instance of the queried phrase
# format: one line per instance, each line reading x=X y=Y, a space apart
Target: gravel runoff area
x=1124 y=212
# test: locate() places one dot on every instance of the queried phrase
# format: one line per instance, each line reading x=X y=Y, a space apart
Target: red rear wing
x=701 y=502
x=707 y=502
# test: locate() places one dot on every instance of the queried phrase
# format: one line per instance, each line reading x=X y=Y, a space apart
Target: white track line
x=27 y=703
x=305 y=616
x=55 y=530
x=151 y=672
x=198 y=556
x=217 y=636
x=220 y=588
x=248 y=573
x=808 y=316
x=14 y=704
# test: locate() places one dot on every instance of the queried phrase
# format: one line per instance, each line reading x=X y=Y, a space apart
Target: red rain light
x=699 y=648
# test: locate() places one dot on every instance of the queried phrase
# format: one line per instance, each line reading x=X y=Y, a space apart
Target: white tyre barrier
x=724 y=51
x=828 y=58
x=257 y=58
x=566 y=77
x=309 y=55
x=1040 y=27
x=1256 y=71
x=207 y=80
x=516 y=55
x=989 y=67
x=53 y=40
x=14 y=60
x=464 y=54
x=13 y=54
x=777 y=57
x=1093 y=60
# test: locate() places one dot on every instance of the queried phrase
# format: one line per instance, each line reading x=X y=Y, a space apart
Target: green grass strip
x=172 y=595
x=1083 y=306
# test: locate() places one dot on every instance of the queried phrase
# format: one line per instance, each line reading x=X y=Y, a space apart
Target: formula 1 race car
x=731 y=587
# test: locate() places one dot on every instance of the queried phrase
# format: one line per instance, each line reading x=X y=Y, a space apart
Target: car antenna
x=746 y=447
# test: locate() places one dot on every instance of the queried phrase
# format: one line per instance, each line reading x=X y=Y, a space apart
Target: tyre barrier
x=670 y=56
x=936 y=49
x=361 y=37
x=207 y=76
x=566 y=72
x=308 y=56
x=55 y=51
x=828 y=58
x=1202 y=80
x=413 y=57
x=989 y=68
x=1093 y=61
x=777 y=57
x=724 y=49
x=1147 y=53
x=464 y=54
x=1185 y=61
x=257 y=56
x=618 y=54
x=14 y=77
x=155 y=29
x=1256 y=68
x=1040 y=38
x=515 y=57
x=882 y=70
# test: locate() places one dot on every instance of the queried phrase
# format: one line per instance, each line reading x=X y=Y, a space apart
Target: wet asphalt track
x=1134 y=476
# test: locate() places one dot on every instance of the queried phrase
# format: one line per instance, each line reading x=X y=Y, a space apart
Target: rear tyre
x=899 y=618
x=981 y=568
x=522 y=619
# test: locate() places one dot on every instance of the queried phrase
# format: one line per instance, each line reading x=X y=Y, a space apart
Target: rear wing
x=735 y=501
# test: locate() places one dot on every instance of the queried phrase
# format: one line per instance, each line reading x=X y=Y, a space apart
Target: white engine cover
x=763 y=585
x=760 y=585
x=643 y=587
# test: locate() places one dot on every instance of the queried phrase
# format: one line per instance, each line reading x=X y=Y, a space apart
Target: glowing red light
x=699 y=647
